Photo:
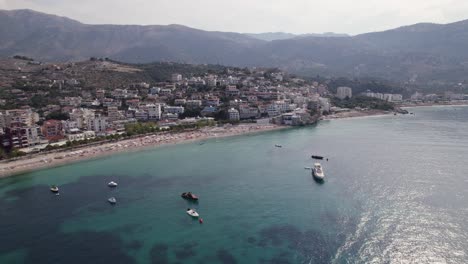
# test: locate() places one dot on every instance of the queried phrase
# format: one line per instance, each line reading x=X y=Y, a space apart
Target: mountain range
x=270 y=36
x=429 y=54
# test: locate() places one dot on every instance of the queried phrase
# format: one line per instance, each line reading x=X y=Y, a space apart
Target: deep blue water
x=396 y=191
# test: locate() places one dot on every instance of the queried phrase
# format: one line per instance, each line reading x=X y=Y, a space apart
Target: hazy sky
x=295 y=16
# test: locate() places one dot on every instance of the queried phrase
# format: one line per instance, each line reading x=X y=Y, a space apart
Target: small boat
x=307 y=168
x=112 y=184
x=317 y=157
x=112 y=200
x=192 y=213
x=200 y=220
x=54 y=189
x=189 y=196
x=278 y=146
x=317 y=172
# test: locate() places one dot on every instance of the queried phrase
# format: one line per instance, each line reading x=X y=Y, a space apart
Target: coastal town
x=48 y=107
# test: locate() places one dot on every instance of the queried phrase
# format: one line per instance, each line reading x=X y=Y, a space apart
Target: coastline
x=452 y=103
x=357 y=114
x=61 y=158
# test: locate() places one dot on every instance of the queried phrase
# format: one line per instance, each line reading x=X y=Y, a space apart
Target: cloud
x=297 y=16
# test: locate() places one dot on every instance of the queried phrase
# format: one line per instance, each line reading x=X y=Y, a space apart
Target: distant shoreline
x=357 y=114
x=44 y=161
x=461 y=103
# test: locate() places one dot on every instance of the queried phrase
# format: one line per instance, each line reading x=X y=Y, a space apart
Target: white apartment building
x=233 y=114
x=81 y=136
x=174 y=109
x=273 y=110
x=153 y=110
x=97 y=124
x=176 y=77
x=344 y=92
x=324 y=104
x=25 y=116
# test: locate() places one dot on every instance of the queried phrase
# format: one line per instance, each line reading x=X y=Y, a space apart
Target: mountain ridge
x=426 y=53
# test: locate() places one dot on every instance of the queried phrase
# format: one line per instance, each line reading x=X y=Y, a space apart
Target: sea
x=395 y=191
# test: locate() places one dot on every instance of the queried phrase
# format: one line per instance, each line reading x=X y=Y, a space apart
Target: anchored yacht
x=317 y=172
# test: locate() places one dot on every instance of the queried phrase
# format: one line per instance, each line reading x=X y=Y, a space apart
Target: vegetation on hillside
x=363 y=102
x=365 y=84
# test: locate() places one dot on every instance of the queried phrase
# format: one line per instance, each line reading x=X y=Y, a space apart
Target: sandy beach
x=42 y=161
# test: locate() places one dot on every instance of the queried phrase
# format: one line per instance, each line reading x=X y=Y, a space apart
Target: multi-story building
x=154 y=111
x=113 y=113
x=71 y=101
x=141 y=115
x=233 y=114
x=180 y=101
x=52 y=130
x=324 y=104
x=78 y=135
x=344 y=92
x=98 y=124
x=5 y=120
x=165 y=92
x=252 y=98
x=417 y=96
x=176 y=77
x=25 y=116
x=273 y=110
x=69 y=125
x=232 y=91
x=248 y=112
x=193 y=104
x=19 y=135
x=212 y=101
x=174 y=109
x=100 y=94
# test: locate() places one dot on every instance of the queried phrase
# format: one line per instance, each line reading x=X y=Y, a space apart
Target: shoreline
x=357 y=114
x=62 y=158
x=144 y=142
x=461 y=103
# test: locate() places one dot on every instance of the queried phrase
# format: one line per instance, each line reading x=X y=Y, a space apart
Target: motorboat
x=192 y=213
x=317 y=172
x=112 y=184
x=189 y=196
x=112 y=200
x=307 y=168
x=317 y=157
x=54 y=189
x=278 y=146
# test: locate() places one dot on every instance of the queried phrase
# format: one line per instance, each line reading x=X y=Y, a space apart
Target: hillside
x=432 y=55
x=270 y=36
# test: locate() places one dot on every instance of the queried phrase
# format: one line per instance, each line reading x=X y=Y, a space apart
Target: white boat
x=317 y=172
x=112 y=200
x=112 y=184
x=54 y=189
x=192 y=213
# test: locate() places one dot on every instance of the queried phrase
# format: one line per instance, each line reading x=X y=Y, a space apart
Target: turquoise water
x=396 y=191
